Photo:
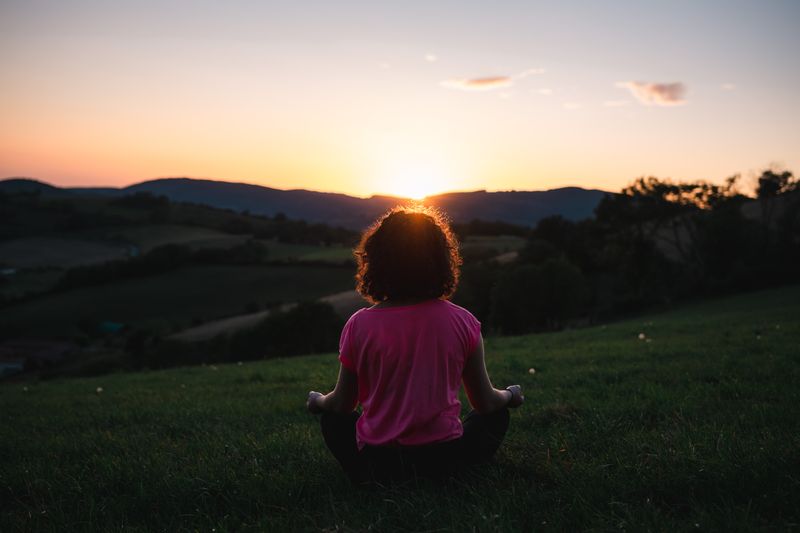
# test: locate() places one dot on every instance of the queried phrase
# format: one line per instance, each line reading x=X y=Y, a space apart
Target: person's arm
x=342 y=399
x=482 y=395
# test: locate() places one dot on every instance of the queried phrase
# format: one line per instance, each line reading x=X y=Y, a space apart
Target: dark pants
x=483 y=434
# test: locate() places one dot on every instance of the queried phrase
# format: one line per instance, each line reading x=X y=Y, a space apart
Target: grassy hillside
x=694 y=427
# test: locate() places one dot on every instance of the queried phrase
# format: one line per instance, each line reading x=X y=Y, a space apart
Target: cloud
x=664 y=94
x=545 y=92
x=479 y=84
x=489 y=83
x=570 y=106
x=615 y=103
x=431 y=58
x=727 y=86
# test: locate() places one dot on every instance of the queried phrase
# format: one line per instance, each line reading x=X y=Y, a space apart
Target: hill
x=693 y=427
x=516 y=207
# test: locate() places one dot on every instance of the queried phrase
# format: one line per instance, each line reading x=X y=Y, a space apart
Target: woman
x=404 y=359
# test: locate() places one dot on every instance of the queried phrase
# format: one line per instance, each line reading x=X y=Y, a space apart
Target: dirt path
x=209 y=330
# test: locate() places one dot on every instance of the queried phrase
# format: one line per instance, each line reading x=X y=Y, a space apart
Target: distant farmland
x=174 y=299
x=38 y=252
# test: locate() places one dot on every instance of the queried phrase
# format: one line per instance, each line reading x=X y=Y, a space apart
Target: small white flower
x=99 y=390
x=213 y=367
x=642 y=336
x=239 y=363
x=758 y=337
x=648 y=340
x=531 y=371
x=24 y=389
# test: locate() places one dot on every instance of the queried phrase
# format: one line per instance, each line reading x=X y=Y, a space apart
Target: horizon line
x=373 y=195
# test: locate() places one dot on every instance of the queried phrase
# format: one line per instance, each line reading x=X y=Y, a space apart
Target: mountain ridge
x=517 y=207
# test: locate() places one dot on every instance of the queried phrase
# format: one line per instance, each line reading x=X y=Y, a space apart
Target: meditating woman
x=404 y=360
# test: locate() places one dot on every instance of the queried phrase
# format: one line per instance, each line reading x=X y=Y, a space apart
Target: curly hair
x=408 y=253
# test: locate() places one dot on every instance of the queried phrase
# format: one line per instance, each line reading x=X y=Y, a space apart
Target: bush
x=310 y=327
x=538 y=297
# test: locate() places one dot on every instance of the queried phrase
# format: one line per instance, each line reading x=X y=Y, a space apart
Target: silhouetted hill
x=333 y=209
x=517 y=207
x=29 y=185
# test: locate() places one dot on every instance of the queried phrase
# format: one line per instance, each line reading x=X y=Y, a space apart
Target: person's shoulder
x=355 y=317
x=458 y=310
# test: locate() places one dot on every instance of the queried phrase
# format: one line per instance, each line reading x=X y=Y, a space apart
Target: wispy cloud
x=489 y=83
x=616 y=103
x=571 y=106
x=431 y=58
x=479 y=84
x=727 y=86
x=664 y=94
x=545 y=91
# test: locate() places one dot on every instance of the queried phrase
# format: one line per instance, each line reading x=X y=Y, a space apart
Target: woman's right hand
x=312 y=404
x=516 y=396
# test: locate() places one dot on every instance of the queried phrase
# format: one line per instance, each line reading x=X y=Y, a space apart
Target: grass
x=149 y=236
x=698 y=429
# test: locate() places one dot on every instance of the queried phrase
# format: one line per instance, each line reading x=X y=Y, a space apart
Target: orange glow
x=416 y=181
x=126 y=93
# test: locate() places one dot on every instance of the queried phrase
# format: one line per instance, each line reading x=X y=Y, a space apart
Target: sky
x=407 y=98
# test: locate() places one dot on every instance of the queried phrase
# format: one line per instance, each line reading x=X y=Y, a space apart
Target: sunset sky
x=422 y=97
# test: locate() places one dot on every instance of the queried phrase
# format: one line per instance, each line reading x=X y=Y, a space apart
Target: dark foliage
x=540 y=296
x=158 y=260
x=142 y=200
x=483 y=227
x=309 y=327
x=161 y=259
x=655 y=243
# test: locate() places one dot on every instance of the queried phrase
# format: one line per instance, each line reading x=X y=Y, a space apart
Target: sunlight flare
x=416 y=181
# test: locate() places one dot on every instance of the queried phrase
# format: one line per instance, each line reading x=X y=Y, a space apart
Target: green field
x=174 y=298
x=148 y=236
x=698 y=429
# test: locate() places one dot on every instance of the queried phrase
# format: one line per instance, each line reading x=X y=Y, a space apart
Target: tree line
x=655 y=243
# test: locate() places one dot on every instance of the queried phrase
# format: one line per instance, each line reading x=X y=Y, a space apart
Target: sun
x=416 y=181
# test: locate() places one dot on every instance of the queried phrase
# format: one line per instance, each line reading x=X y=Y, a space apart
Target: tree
x=539 y=297
x=772 y=183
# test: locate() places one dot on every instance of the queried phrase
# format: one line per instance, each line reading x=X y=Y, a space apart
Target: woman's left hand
x=516 y=396
x=312 y=404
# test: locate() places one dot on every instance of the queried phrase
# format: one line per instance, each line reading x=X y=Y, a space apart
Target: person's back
x=405 y=358
x=409 y=361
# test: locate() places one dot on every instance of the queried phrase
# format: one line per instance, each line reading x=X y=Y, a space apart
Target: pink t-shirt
x=409 y=361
